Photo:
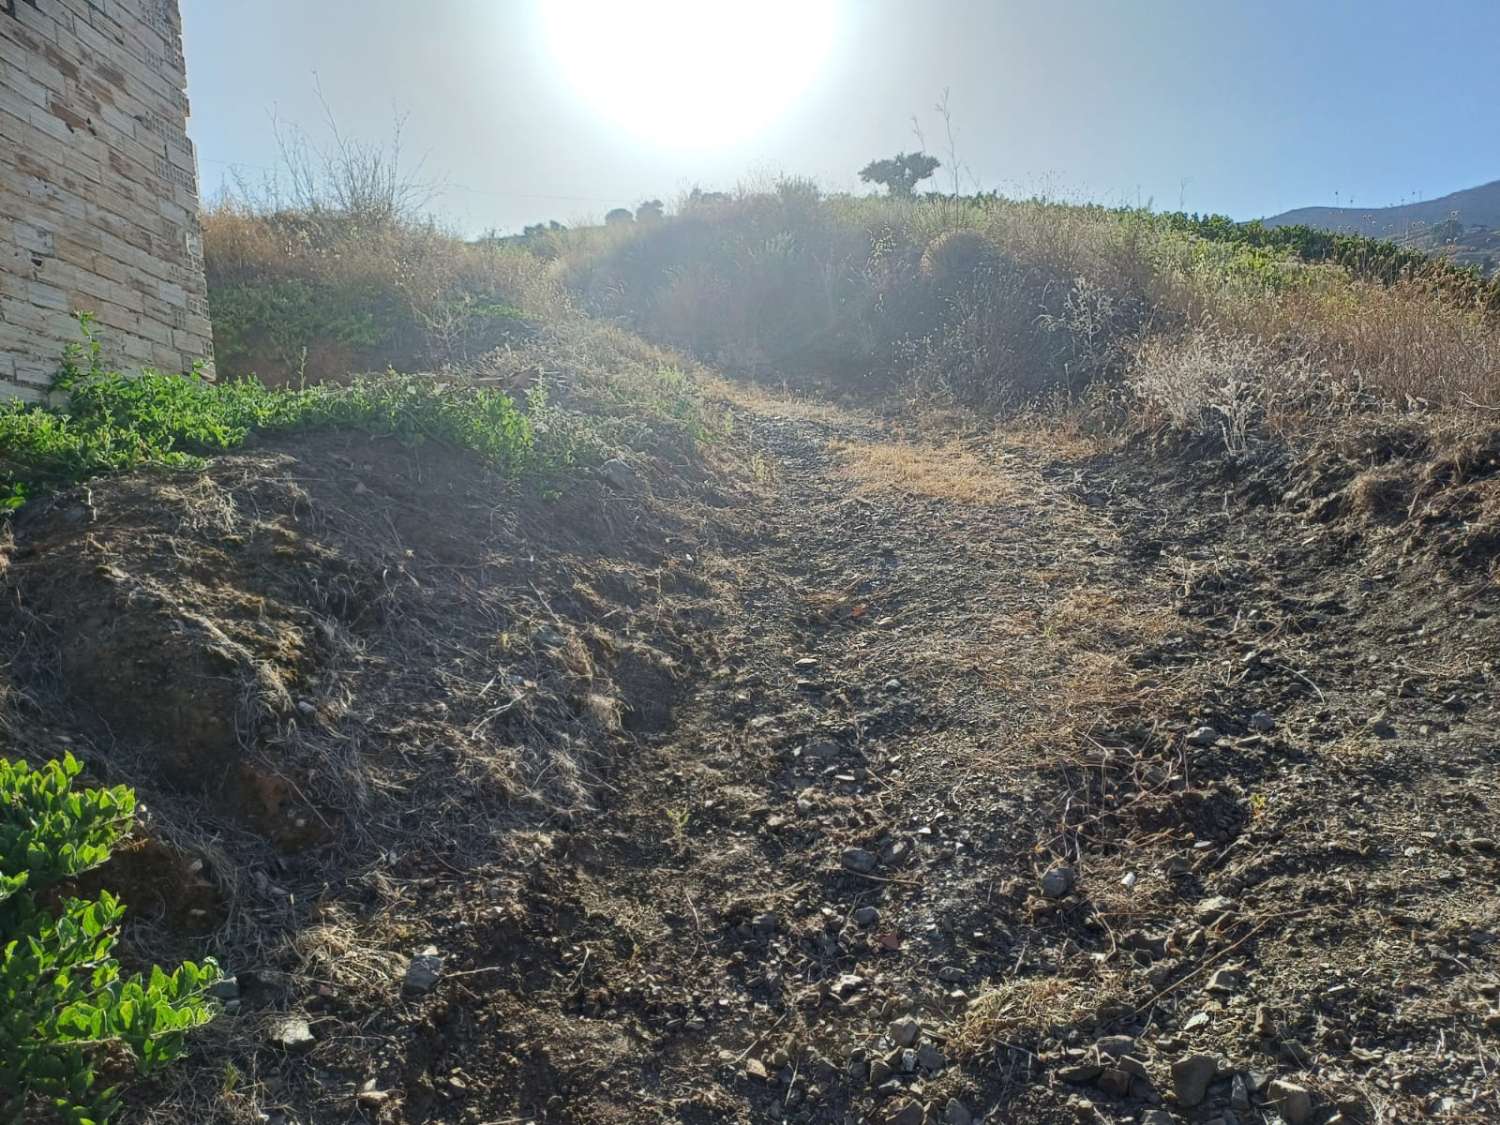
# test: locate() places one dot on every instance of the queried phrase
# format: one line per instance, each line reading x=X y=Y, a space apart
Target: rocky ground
x=1013 y=779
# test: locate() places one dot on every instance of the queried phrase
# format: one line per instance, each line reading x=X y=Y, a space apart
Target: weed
x=66 y=1004
x=111 y=422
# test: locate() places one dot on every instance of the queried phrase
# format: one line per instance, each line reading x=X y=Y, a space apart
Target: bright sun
x=690 y=73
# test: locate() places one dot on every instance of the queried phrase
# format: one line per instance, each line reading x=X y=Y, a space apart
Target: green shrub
x=111 y=422
x=64 y=1004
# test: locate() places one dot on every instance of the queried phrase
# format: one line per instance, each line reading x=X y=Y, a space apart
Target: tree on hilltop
x=619 y=215
x=901 y=173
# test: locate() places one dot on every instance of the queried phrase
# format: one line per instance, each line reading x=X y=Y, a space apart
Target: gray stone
x=950 y=974
x=1292 y=1101
x=1058 y=881
x=1203 y=736
x=930 y=1058
x=880 y=1071
x=1239 y=1093
x=425 y=970
x=1263 y=721
x=866 y=916
x=1115 y=1046
x=619 y=475
x=1079 y=1073
x=1156 y=1117
x=1191 y=1075
x=909 y=1114
x=1224 y=981
x=227 y=988
x=857 y=859
x=905 y=1031
x=1212 y=908
x=909 y=1060
x=291 y=1034
x=956 y=1113
x=1114 y=1082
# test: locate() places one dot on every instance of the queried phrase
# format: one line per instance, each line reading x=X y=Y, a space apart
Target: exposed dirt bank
x=986 y=778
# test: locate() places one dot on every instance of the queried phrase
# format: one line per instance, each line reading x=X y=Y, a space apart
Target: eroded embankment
x=983 y=774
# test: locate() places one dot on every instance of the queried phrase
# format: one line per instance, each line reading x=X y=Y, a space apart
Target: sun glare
x=690 y=73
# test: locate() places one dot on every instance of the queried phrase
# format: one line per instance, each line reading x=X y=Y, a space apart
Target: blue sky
x=1244 y=108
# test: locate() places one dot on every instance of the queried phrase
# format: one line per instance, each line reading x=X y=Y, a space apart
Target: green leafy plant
x=111 y=422
x=65 y=1006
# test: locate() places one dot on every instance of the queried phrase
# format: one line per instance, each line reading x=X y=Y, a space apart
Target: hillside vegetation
x=1048 y=676
x=995 y=302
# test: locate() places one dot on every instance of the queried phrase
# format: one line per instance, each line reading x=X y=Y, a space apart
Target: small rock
x=1190 y=1078
x=1058 y=881
x=1263 y=721
x=424 y=971
x=1210 y=909
x=1265 y=1024
x=1203 y=736
x=848 y=983
x=1293 y=1102
x=930 y=1058
x=857 y=859
x=806 y=664
x=291 y=1034
x=226 y=988
x=1114 y=1082
x=909 y=1060
x=880 y=1071
x=1225 y=982
x=1195 y=1021
x=956 y=1113
x=866 y=916
x=1115 y=1046
x=619 y=476
x=766 y=923
x=1239 y=1094
x=1156 y=1117
x=905 y=1031
x=950 y=974
x=909 y=1114
x=1382 y=728
x=1079 y=1073
x=756 y=1069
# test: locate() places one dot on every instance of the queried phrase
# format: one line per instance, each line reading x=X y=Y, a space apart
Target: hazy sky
x=542 y=109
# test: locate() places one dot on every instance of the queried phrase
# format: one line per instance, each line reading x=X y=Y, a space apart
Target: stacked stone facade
x=98 y=189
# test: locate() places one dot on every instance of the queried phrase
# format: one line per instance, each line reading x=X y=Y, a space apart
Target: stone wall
x=98 y=189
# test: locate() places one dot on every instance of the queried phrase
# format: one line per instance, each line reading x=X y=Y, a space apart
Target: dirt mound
x=1413 y=489
x=333 y=645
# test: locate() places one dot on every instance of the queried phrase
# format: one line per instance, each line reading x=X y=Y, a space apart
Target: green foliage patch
x=111 y=422
x=64 y=1004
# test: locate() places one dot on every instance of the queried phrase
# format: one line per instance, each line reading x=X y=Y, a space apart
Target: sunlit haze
x=687 y=74
x=528 y=111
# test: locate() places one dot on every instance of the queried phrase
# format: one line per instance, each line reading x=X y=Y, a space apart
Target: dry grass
x=1015 y=1014
x=298 y=294
x=948 y=472
x=1044 y=298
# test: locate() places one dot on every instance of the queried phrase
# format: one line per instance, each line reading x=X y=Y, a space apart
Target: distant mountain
x=1464 y=226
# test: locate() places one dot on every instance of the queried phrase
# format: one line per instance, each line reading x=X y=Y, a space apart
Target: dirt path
x=1024 y=787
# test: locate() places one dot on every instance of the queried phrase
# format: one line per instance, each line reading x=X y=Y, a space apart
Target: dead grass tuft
x=948 y=472
x=1019 y=1012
